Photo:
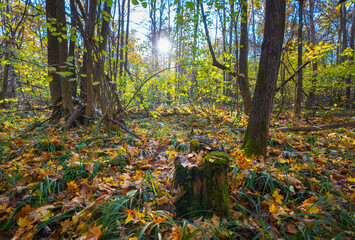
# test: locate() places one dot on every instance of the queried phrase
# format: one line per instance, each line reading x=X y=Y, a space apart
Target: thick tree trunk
x=299 y=85
x=255 y=140
x=53 y=52
x=243 y=59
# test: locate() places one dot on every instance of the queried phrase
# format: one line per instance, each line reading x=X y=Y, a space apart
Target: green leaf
x=95 y=83
x=69 y=59
x=135 y=2
x=83 y=75
x=144 y=4
x=190 y=5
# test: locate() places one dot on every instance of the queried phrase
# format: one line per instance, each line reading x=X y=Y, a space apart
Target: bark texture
x=243 y=59
x=53 y=52
x=255 y=140
x=299 y=85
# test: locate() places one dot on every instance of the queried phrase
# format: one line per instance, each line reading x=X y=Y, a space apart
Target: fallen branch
x=73 y=117
x=123 y=127
x=292 y=76
x=317 y=128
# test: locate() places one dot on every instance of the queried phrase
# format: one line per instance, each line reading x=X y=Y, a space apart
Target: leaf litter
x=79 y=185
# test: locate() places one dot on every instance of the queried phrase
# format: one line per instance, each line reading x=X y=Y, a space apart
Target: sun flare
x=164 y=45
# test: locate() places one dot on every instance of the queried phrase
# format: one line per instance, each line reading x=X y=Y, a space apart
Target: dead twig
x=317 y=128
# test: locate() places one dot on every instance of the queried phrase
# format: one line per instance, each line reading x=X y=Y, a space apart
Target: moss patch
x=206 y=187
x=251 y=147
x=194 y=145
x=217 y=158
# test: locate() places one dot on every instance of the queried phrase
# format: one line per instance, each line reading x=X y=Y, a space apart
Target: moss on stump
x=194 y=145
x=206 y=187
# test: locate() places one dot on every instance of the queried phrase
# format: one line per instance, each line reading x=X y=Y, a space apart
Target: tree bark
x=255 y=140
x=311 y=96
x=299 y=85
x=53 y=52
x=243 y=58
x=63 y=56
x=352 y=46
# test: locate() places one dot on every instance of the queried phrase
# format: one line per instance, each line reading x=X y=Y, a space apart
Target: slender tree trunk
x=194 y=49
x=63 y=56
x=122 y=38
x=352 y=44
x=243 y=59
x=89 y=32
x=254 y=38
x=312 y=34
x=255 y=140
x=5 y=79
x=299 y=85
x=73 y=83
x=343 y=58
x=53 y=52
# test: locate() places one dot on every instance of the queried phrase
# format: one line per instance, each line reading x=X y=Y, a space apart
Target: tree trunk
x=63 y=56
x=344 y=46
x=352 y=43
x=89 y=32
x=5 y=80
x=299 y=85
x=73 y=78
x=53 y=51
x=255 y=140
x=311 y=95
x=243 y=58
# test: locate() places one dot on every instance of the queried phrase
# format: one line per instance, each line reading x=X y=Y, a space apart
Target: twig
x=292 y=76
x=123 y=127
x=317 y=128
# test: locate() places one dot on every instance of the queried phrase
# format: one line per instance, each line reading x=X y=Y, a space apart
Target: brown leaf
x=179 y=192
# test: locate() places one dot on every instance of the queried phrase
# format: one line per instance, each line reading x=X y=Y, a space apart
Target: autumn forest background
x=177 y=119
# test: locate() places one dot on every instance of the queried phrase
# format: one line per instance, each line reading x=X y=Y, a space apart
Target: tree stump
x=206 y=187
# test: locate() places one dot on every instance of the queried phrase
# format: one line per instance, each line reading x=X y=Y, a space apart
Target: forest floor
x=87 y=184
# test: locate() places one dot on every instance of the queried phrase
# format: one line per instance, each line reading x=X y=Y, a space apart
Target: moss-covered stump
x=206 y=187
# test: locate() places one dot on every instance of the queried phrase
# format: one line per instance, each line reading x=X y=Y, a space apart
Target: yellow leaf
x=329 y=195
x=351 y=179
x=132 y=238
x=314 y=209
x=25 y=222
x=47 y=216
x=273 y=209
x=278 y=198
x=129 y=216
